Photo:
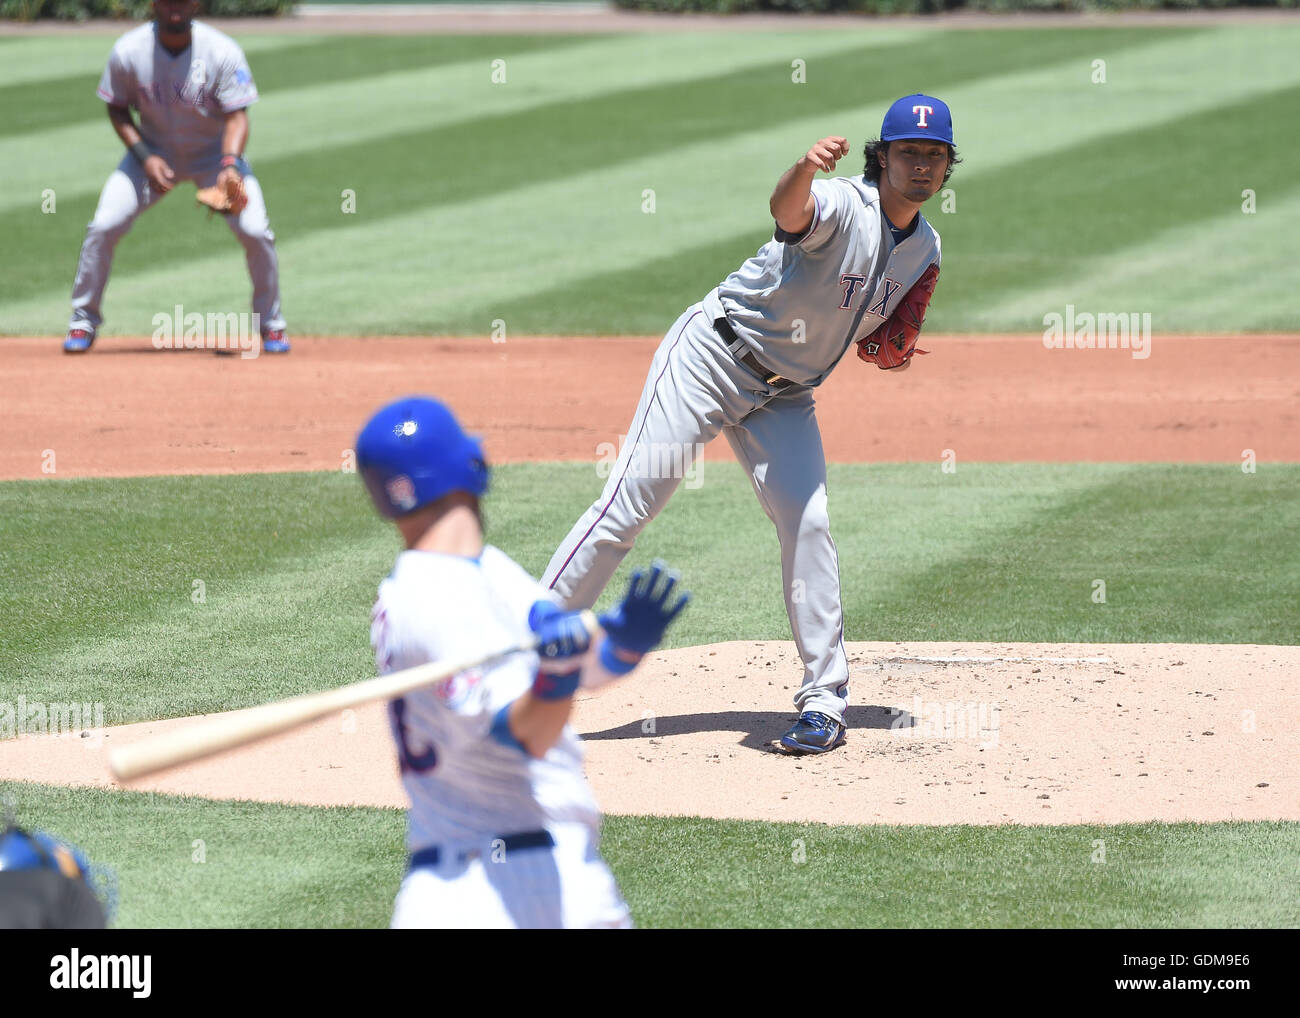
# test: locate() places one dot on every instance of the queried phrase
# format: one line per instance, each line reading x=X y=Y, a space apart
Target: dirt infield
x=939 y=734
x=128 y=409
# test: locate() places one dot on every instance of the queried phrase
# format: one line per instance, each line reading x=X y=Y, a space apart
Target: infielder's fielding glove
x=894 y=342
x=226 y=195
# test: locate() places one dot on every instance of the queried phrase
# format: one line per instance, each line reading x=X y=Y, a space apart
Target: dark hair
x=875 y=147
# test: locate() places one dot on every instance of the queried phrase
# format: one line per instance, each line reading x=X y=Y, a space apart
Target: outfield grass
x=98 y=578
x=193 y=862
x=525 y=200
x=528 y=200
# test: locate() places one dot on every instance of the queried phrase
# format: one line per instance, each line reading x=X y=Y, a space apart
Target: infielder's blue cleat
x=275 y=341
x=814 y=732
x=78 y=341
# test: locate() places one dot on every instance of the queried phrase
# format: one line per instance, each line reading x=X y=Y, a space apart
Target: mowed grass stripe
x=97 y=583
x=428 y=288
x=1135 y=187
x=292 y=64
x=396 y=173
x=295 y=122
x=1222 y=270
x=692 y=872
x=1153 y=534
x=177 y=614
x=56 y=58
x=450 y=271
x=486 y=283
x=1019 y=210
x=341 y=866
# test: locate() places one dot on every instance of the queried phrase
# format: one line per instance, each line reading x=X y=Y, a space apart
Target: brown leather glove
x=894 y=341
x=226 y=195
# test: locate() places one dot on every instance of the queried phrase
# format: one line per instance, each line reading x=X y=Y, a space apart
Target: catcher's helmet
x=412 y=452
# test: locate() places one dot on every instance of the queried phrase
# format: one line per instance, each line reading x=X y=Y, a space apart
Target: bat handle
x=591 y=622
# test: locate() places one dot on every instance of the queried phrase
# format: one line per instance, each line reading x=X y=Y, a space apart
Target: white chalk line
x=997 y=660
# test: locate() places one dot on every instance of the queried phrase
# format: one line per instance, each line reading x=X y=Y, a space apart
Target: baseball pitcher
x=503 y=829
x=852 y=262
x=192 y=87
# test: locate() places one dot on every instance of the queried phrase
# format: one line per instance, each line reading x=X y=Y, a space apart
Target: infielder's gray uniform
x=182 y=101
x=796 y=307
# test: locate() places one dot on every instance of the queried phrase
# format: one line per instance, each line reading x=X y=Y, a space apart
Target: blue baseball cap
x=918 y=116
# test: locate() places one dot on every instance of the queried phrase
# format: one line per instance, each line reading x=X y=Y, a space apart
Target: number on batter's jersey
x=411 y=760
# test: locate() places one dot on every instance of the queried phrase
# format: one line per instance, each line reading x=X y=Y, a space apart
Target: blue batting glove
x=637 y=623
x=560 y=634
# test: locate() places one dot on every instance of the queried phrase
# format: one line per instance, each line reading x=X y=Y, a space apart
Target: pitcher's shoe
x=814 y=732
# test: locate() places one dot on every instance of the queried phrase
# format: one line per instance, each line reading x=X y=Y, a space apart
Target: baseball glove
x=894 y=342
x=226 y=195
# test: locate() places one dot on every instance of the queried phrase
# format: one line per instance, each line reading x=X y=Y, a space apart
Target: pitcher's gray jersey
x=182 y=99
x=801 y=301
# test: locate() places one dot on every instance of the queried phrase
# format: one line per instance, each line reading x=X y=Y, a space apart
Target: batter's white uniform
x=182 y=101
x=796 y=307
x=473 y=790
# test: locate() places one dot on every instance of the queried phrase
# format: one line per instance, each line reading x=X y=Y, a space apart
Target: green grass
x=184 y=862
x=272 y=865
x=523 y=200
x=98 y=578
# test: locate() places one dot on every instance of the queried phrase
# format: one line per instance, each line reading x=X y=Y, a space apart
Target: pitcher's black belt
x=432 y=855
x=724 y=329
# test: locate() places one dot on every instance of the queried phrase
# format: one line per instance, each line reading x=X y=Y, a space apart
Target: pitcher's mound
x=939 y=733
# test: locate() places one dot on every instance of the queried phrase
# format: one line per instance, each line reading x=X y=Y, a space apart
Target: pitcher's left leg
x=781 y=447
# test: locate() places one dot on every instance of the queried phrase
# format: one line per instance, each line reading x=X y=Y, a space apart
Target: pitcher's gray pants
x=126 y=194
x=695 y=389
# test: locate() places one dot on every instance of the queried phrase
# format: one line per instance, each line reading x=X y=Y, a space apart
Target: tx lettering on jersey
x=850 y=281
x=889 y=288
x=182 y=94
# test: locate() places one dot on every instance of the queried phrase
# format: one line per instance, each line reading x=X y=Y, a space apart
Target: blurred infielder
x=851 y=261
x=192 y=87
x=503 y=829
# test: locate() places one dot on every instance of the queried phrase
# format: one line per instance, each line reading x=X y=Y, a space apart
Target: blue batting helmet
x=412 y=452
x=35 y=850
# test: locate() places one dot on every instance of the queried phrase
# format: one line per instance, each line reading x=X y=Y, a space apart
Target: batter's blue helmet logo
x=401 y=492
x=413 y=452
x=918 y=116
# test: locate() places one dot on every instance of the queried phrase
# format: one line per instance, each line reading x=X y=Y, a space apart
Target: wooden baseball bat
x=197 y=741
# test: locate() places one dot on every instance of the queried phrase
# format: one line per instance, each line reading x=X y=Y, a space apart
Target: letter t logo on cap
x=917 y=116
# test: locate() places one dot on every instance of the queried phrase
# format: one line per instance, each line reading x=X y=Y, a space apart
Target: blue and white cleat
x=814 y=732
